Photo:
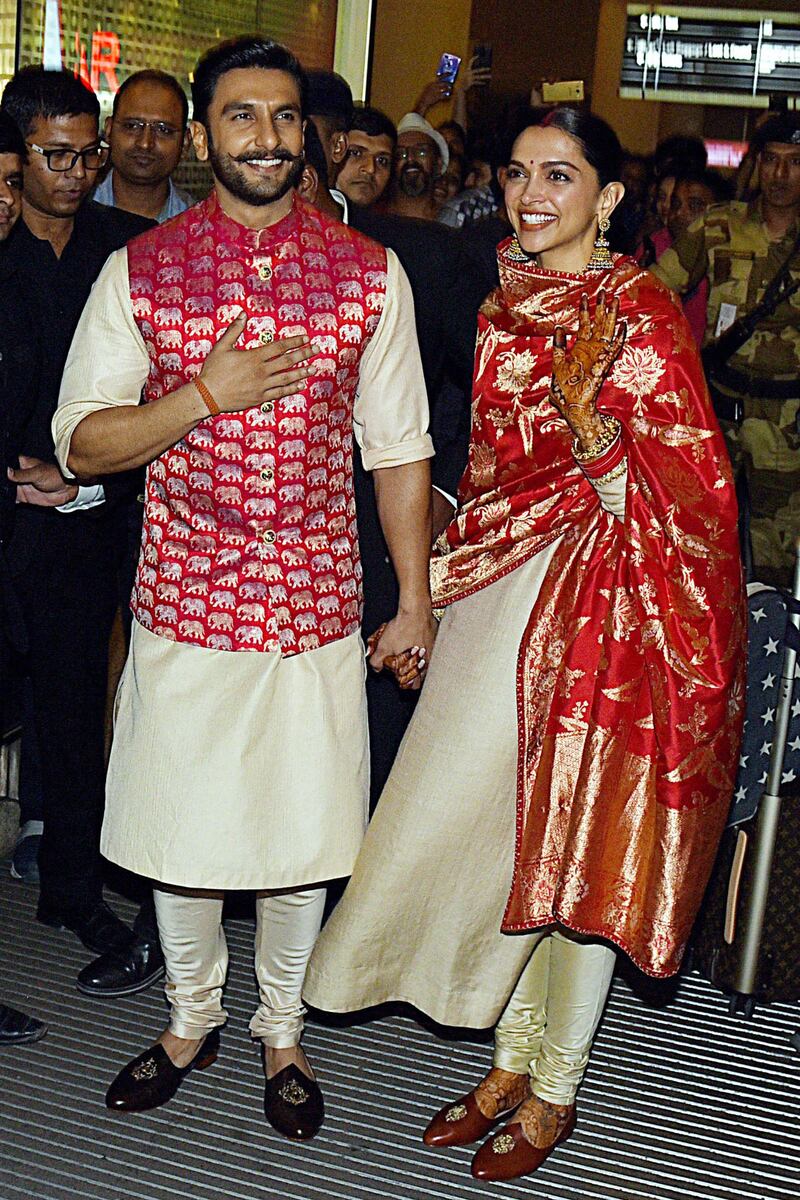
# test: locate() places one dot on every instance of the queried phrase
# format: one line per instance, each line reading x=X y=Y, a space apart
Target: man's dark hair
x=721 y=189
x=163 y=79
x=11 y=140
x=456 y=126
x=240 y=54
x=35 y=93
x=373 y=123
x=314 y=154
x=783 y=128
x=329 y=96
x=681 y=152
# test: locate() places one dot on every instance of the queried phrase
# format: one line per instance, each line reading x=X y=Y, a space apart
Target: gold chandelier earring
x=601 y=258
x=515 y=251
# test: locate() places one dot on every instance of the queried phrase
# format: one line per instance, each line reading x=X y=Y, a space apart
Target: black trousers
x=64 y=569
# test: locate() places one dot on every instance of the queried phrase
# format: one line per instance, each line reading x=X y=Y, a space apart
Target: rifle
x=716 y=354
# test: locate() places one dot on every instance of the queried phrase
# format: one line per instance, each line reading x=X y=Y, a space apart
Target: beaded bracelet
x=206 y=397
x=611 y=431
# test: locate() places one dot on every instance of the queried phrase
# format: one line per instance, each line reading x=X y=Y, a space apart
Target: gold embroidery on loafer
x=503 y=1144
x=456 y=1113
x=293 y=1093
x=146 y=1070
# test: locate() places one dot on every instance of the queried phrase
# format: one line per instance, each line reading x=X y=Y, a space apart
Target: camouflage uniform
x=729 y=245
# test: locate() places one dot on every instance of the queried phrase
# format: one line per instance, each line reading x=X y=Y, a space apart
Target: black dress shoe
x=99 y=928
x=152 y=1078
x=131 y=968
x=293 y=1104
x=17 y=1027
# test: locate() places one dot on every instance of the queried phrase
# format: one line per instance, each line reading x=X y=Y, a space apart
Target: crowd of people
x=536 y=536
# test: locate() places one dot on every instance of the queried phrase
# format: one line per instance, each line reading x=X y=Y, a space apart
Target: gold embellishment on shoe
x=456 y=1113
x=146 y=1070
x=293 y=1093
x=503 y=1144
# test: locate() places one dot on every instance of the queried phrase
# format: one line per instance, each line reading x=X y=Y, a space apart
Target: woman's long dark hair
x=599 y=143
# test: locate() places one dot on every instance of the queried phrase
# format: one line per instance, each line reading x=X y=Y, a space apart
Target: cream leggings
x=550 y=1021
x=196 y=956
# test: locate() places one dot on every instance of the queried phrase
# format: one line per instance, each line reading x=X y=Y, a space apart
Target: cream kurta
x=241 y=769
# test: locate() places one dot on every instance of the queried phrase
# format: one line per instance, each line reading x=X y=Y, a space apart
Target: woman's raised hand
x=239 y=379
x=579 y=372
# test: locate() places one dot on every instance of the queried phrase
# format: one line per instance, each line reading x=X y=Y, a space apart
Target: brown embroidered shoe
x=470 y=1118
x=509 y=1154
x=293 y=1104
x=152 y=1078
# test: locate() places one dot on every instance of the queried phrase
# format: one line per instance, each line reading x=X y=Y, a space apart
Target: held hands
x=239 y=379
x=385 y=648
x=578 y=373
x=41 y=483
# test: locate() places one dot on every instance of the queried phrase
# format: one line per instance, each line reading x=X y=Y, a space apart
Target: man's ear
x=107 y=124
x=308 y=186
x=199 y=138
x=339 y=146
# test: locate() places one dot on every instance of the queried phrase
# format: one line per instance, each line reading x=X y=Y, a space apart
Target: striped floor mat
x=681 y=1101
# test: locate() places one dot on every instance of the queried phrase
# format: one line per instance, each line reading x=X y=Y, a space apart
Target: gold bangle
x=206 y=397
x=603 y=441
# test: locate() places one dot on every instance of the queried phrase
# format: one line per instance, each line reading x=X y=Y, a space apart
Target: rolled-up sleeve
x=107 y=363
x=390 y=414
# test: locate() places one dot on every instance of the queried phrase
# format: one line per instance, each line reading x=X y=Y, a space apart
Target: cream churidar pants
x=548 y=1026
x=196 y=957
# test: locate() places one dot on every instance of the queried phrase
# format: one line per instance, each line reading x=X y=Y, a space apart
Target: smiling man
x=64 y=551
x=264 y=335
x=420 y=158
x=147 y=135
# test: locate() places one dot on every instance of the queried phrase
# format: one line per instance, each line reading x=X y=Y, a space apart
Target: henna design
x=578 y=374
x=542 y=1121
x=407 y=667
x=501 y=1090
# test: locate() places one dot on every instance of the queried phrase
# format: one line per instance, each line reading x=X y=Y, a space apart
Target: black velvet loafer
x=151 y=1079
x=293 y=1104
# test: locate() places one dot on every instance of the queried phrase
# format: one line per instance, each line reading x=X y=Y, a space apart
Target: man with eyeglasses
x=67 y=542
x=420 y=158
x=147 y=135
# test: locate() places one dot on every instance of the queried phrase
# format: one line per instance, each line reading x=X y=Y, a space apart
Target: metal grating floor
x=680 y=1102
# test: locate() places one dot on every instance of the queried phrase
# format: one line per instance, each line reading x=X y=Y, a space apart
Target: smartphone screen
x=483 y=57
x=448 y=67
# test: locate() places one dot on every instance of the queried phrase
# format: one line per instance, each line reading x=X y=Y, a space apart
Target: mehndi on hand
x=407 y=667
x=579 y=373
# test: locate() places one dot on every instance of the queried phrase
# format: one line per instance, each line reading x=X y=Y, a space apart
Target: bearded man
x=264 y=334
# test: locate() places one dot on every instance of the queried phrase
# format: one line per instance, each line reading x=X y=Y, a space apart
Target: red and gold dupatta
x=630 y=675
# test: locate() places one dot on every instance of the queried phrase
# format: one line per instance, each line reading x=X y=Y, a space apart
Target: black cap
x=328 y=95
x=782 y=128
